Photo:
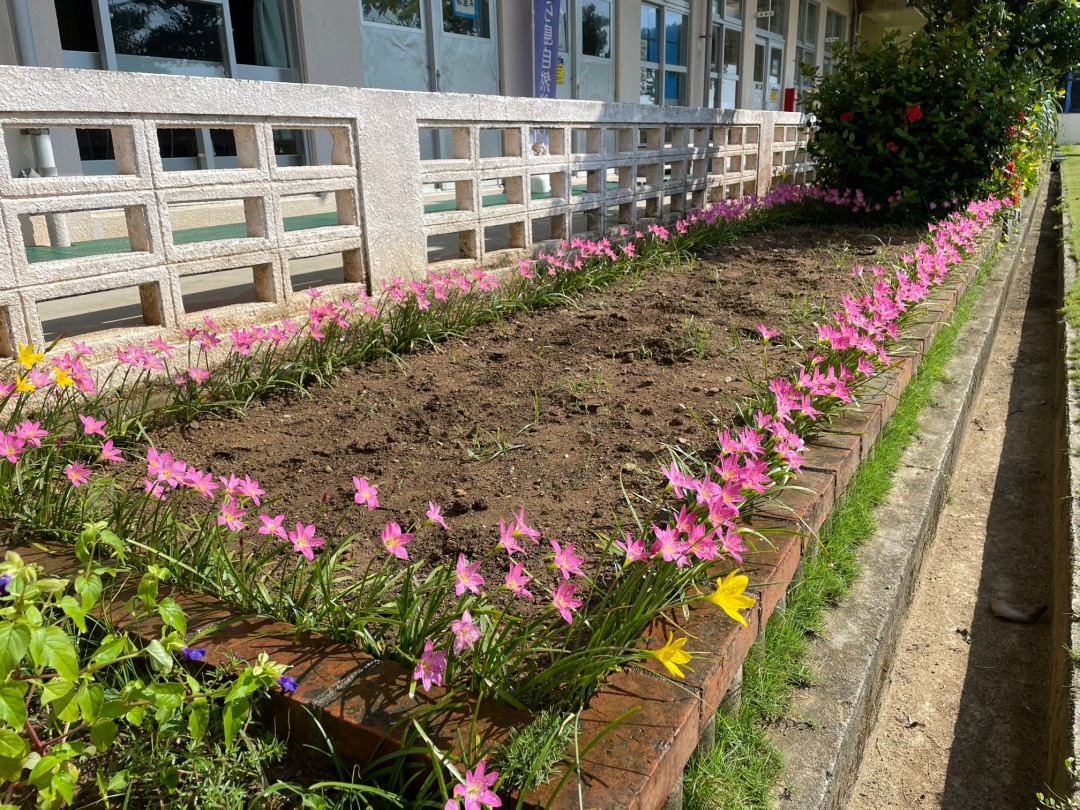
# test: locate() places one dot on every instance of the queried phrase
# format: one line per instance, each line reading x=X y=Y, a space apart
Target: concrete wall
x=662 y=162
x=1069 y=128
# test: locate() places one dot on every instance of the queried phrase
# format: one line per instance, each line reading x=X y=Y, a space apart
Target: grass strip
x=742 y=770
x=1070 y=202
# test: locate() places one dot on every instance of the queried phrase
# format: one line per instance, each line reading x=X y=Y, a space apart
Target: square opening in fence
x=587 y=141
x=497 y=143
x=547 y=142
x=611 y=216
x=502 y=191
x=547 y=186
x=186 y=149
x=444 y=143
x=545 y=228
x=312 y=146
x=215 y=220
x=223 y=288
x=451 y=246
x=323 y=209
x=648 y=175
x=56 y=235
x=97 y=311
x=503 y=237
x=101 y=150
x=649 y=138
x=587 y=221
x=344 y=267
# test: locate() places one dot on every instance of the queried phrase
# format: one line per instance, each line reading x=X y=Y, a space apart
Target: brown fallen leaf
x=1022 y=614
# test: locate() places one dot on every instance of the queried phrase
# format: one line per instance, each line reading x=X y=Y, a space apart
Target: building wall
x=1069 y=128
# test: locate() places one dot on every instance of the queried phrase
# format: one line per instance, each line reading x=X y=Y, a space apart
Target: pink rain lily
x=201 y=482
x=365 y=493
x=11 y=446
x=517 y=579
x=92 y=425
x=431 y=666
x=272 y=526
x=521 y=529
x=77 y=473
x=563 y=600
x=466 y=577
x=634 y=549
x=507 y=538
x=395 y=540
x=466 y=633
x=250 y=489
x=767 y=334
x=110 y=453
x=566 y=560
x=230 y=515
x=31 y=432
x=304 y=540
x=476 y=793
x=434 y=514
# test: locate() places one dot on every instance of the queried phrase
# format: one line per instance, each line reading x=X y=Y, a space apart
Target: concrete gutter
x=853 y=659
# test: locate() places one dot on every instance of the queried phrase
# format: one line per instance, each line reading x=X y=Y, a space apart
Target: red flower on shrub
x=912 y=113
x=892 y=147
x=845 y=116
x=1011 y=131
x=1021 y=117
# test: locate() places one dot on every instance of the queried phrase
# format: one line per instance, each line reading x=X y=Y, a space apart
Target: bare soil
x=558 y=411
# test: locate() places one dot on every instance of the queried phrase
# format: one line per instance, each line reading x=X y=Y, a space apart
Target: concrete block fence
x=639 y=165
x=363 y=703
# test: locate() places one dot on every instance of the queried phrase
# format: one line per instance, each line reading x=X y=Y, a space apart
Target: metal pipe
x=24 y=32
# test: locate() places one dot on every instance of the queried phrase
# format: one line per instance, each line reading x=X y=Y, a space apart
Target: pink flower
x=566 y=561
x=77 y=473
x=434 y=514
x=564 y=601
x=466 y=633
x=635 y=549
x=197 y=375
x=201 y=482
x=467 y=577
x=366 y=493
x=304 y=540
x=231 y=515
x=395 y=540
x=430 y=667
x=92 y=425
x=31 y=432
x=521 y=529
x=766 y=333
x=110 y=453
x=272 y=526
x=476 y=793
x=250 y=489
x=517 y=579
x=508 y=539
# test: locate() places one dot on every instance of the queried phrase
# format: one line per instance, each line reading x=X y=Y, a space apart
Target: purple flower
x=286 y=683
x=193 y=653
x=5 y=579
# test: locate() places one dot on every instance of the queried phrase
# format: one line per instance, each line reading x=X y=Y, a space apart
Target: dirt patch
x=562 y=412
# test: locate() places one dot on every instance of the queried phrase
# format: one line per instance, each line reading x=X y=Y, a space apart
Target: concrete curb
x=852 y=660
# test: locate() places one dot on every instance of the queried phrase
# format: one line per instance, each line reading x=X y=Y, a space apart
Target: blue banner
x=545 y=46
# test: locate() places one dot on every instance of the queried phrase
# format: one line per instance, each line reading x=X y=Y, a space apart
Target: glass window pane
x=564 y=30
x=168 y=36
x=467 y=17
x=75 y=19
x=596 y=28
x=650 y=90
x=393 y=12
x=650 y=23
x=716 y=57
x=732 y=44
x=258 y=29
x=811 y=24
x=775 y=64
x=759 y=62
x=675 y=38
x=674 y=88
x=733 y=9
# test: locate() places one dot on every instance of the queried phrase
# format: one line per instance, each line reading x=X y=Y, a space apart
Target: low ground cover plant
x=73 y=453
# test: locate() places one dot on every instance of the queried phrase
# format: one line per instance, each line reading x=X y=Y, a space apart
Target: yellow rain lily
x=672 y=654
x=730 y=597
x=28 y=357
x=63 y=378
x=24 y=385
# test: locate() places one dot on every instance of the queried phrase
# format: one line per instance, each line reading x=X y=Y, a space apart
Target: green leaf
x=148 y=591
x=12 y=745
x=51 y=647
x=199 y=718
x=159 y=656
x=170 y=778
x=91 y=699
x=172 y=614
x=118 y=782
x=136 y=715
x=88 y=587
x=102 y=735
x=13 y=703
x=14 y=642
x=233 y=718
x=64 y=783
x=54 y=689
x=11 y=768
x=110 y=648
x=66 y=708
x=74 y=610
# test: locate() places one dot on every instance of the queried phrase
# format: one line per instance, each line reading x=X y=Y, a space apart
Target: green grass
x=741 y=772
x=1070 y=201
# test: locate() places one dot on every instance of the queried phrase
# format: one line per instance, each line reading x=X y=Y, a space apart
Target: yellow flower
x=672 y=654
x=28 y=357
x=63 y=377
x=730 y=597
x=24 y=385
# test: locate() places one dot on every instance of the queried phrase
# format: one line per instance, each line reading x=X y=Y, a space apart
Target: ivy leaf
x=51 y=647
x=159 y=656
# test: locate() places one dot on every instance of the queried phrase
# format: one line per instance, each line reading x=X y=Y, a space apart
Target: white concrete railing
x=639 y=164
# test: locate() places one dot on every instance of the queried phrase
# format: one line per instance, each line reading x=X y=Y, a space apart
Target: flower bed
x=555 y=656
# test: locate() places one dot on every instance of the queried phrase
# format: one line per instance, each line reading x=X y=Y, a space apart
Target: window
x=724 y=67
x=732 y=9
x=596 y=28
x=806 y=48
x=771 y=16
x=466 y=17
x=835 y=34
x=168 y=36
x=663 y=71
x=405 y=13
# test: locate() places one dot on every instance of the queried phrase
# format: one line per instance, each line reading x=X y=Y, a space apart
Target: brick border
x=363 y=703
